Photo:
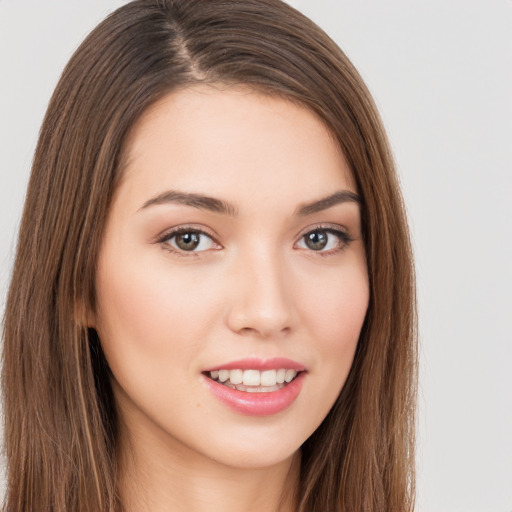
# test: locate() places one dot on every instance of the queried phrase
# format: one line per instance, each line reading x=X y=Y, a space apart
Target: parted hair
x=61 y=429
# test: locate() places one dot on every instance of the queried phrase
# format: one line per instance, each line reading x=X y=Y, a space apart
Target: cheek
x=336 y=306
x=334 y=313
x=146 y=314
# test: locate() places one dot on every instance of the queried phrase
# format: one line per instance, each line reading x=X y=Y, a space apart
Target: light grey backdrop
x=441 y=72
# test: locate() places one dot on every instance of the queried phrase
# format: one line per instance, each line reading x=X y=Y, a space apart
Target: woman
x=212 y=303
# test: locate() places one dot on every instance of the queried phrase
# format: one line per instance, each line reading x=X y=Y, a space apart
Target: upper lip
x=253 y=363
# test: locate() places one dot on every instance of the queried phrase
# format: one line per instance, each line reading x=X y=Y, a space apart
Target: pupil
x=187 y=241
x=316 y=240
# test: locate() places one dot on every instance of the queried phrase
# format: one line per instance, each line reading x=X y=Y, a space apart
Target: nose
x=262 y=302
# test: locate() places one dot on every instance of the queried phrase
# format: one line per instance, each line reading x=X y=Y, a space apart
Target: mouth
x=255 y=387
x=252 y=380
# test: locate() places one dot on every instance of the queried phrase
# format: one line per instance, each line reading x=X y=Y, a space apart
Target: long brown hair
x=60 y=418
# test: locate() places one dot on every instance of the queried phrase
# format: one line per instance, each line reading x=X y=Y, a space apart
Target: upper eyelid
x=324 y=226
x=184 y=228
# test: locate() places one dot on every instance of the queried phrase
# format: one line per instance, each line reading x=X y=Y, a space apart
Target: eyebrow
x=199 y=201
x=340 y=197
x=215 y=205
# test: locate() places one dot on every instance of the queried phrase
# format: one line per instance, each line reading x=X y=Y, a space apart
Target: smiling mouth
x=254 y=381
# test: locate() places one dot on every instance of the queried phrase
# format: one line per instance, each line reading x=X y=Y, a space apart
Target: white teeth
x=251 y=378
x=290 y=375
x=268 y=378
x=254 y=381
x=224 y=375
x=236 y=376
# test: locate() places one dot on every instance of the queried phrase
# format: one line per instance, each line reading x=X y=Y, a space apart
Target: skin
x=254 y=289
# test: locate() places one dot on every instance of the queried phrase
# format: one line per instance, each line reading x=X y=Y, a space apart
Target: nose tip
x=260 y=324
x=262 y=304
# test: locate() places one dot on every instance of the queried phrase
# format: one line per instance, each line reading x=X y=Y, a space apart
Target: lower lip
x=257 y=404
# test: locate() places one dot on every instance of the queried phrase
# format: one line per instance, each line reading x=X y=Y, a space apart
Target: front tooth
x=251 y=378
x=290 y=375
x=268 y=378
x=280 y=374
x=236 y=376
x=223 y=375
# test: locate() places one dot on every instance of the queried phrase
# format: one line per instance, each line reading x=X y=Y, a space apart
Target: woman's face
x=232 y=251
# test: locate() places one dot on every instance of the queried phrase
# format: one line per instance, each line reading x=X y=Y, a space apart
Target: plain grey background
x=441 y=73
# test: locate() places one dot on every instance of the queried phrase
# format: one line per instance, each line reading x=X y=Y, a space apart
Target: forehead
x=221 y=139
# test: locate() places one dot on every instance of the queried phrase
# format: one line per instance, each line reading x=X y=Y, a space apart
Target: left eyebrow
x=342 y=196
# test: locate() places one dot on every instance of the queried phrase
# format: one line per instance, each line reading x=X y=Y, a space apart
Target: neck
x=155 y=479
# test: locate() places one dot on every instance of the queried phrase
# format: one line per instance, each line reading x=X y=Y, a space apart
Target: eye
x=190 y=240
x=324 y=240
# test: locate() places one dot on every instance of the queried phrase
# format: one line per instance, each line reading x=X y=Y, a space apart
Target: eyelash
x=344 y=240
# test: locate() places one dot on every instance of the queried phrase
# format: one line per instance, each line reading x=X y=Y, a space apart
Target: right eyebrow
x=199 y=201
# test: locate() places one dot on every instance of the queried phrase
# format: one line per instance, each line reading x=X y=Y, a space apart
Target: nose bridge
x=262 y=302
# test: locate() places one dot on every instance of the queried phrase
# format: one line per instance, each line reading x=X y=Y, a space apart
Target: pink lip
x=259 y=364
x=257 y=404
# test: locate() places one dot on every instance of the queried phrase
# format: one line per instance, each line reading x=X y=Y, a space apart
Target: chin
x=258 y=456
x=258 y=444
